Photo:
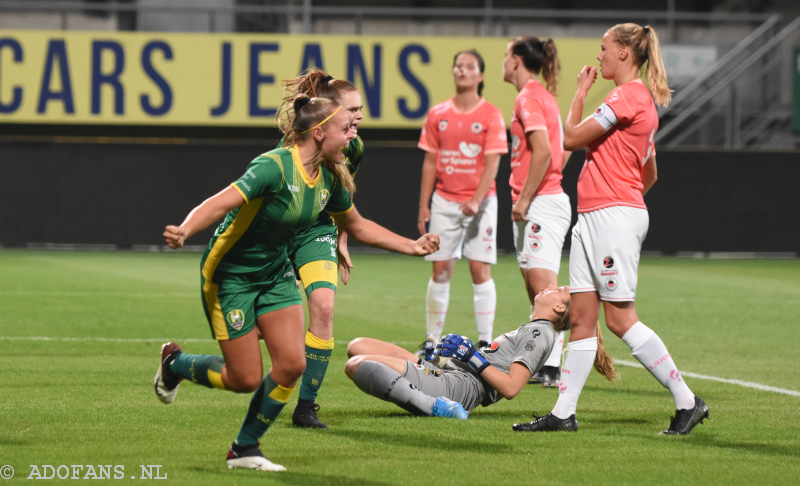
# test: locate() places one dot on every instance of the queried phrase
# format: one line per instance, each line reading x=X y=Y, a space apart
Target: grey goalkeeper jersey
x=529 y=345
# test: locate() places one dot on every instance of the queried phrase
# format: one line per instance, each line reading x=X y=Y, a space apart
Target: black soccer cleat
x=548 y=423
x=250 y=457
x=166 y=381
x=685 y=420
x=550 y=376
x=305 y=416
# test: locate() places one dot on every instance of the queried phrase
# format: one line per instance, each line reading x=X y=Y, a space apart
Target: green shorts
x=313 y=255
x=232 y=314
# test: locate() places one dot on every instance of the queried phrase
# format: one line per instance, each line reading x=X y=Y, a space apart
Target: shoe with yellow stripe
x=250 y=457
x=166 y=382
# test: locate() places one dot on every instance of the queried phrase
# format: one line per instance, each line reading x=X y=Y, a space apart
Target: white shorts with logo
x=604 y=257
x=540 y=240
x=473 y=235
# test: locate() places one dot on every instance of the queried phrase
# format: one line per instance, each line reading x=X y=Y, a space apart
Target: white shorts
x=475 y=234
x=540 y=240
x=604 y=257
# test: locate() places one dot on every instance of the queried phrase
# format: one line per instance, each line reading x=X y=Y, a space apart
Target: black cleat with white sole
x=166 y=381
x=548 y=423
x=250 y=457
x=685 y=420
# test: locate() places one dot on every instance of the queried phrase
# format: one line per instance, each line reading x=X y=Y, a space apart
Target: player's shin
x=648 y=348
x=318 y=356
x=382 y=382
x=436 y=303
x=203 y=369
x=265 y=406
x=485 y=300
x=577 y=366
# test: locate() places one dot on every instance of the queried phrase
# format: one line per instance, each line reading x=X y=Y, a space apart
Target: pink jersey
x=462 y=141
x=535 y=109
x=612 y=174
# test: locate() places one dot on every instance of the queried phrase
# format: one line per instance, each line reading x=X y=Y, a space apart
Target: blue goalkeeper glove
x=429 y=348
x=462 y=349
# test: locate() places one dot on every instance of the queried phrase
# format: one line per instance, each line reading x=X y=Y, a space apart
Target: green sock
x=205 y=369
x=318 y=355
x=265 y=406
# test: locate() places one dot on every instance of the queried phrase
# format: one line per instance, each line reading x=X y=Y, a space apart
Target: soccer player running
x=541 y=211
x=612 y=223
x=247 y=279
x=315 y=250
x=463 y=138
x=471 y=376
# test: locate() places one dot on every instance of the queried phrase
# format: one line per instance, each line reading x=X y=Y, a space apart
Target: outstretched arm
x=373 y=234
x=203 y=216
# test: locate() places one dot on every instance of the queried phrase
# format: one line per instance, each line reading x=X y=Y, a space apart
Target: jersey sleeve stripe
x=240 y=192
x=536 y=127
x=342 y=212
x=496 y=151
x=427 y=148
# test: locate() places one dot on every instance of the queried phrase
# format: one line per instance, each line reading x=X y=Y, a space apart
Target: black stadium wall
x=125 y=193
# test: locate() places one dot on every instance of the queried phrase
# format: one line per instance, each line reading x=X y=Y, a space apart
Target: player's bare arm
x=343 y=255
x=489 y=174
x=373 y=234
x=540 y=160
x=426 y=190
x=577 y=134
x=509 y=385
x=201 y=217
x=649 y=174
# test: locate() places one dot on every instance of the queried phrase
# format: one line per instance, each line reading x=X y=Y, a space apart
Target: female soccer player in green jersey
x=247 y=279
x=315 y=250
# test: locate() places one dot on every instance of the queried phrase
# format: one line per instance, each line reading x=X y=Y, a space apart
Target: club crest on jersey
x=608 y=262
x=611 y=283
x=493 y=348
x=476 y=127
x=323 y=198
x=236 y=319
x=443 y=125
x=536 y=245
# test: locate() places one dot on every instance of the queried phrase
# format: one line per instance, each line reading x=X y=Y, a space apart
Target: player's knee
x=352 y=365
x=442 y=277
x=355 y=347
x=321 y=310
x=247 y=383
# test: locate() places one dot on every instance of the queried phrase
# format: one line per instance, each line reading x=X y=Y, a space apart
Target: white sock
x=648 y=348
x=436 y=303
x=577 y=366
x=555 y=354
x=485 y=299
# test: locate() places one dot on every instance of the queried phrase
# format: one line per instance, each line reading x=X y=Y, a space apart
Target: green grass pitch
x=89 y=400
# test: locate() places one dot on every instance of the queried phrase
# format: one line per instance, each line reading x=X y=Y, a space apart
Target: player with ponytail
x=247 y=280
x=612 y=223
x=541 y=214
x=315 y=251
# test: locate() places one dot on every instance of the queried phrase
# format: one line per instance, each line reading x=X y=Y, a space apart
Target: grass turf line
x=92 y=403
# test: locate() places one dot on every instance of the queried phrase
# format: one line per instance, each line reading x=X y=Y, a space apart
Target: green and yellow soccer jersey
x=249 y=247
x=354 y=153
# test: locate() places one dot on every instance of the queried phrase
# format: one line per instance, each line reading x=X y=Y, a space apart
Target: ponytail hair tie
x=301 y=102
x=646 y=29
x=327 y=79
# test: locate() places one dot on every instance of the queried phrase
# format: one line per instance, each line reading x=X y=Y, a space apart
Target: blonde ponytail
x=644 y=45
x=343 y=174
x=603 y=363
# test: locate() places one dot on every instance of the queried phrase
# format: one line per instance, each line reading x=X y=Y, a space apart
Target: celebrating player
x=471 y=376
x=541 y=211
x=247 y=279
x=612 y=223
x=315 y=250
x=463 y=138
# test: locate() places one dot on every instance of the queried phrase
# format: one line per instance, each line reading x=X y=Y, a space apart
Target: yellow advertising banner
x=148 y=78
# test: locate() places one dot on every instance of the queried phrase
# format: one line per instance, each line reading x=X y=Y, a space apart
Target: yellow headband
x=323 y=121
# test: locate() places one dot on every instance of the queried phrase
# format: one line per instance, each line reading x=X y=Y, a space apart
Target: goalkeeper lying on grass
x=455 y=376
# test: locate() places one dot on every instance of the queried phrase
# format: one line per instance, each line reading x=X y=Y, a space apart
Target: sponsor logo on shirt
x=288 y=274
x=514 y=142
x=470 y=150
x=530 y=346
x=294 y=188
x=326 y=239
x=489 y=231
x=236 y=319
x=443 y=125
x=536 y=227
x=608 y=262
x=476 y=127
x=242 y=182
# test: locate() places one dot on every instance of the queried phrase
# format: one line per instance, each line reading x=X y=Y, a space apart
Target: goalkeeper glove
x=462 y=349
